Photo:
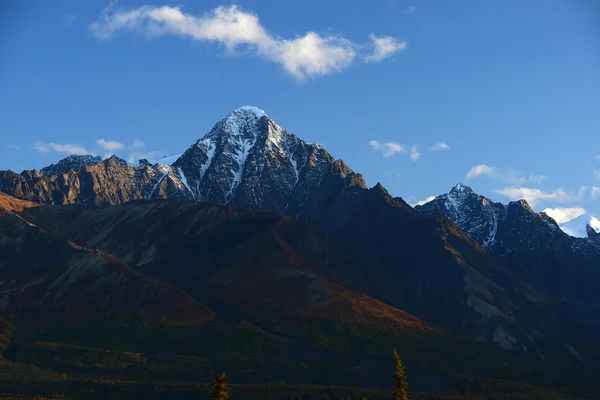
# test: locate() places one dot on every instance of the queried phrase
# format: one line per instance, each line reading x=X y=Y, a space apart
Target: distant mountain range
x=286 y=233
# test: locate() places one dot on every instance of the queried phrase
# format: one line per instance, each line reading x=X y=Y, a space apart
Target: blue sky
x=417 y=94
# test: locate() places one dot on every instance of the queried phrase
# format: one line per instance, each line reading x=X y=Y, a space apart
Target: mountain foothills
x=259 y=254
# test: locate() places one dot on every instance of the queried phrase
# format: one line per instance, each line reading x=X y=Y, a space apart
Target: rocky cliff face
x=72 y=162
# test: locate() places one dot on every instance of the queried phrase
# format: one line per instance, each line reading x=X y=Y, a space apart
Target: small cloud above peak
x=480 y=170
x=110 y=145
x=411 y=9
x=440 y=146
x=69 y=148
x=383 y=47
x=508 y=175
x=390 y=149
x=534 y=196
x=137 y=144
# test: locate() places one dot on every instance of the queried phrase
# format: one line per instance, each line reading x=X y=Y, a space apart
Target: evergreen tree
x=219 y=386
x=400 y=378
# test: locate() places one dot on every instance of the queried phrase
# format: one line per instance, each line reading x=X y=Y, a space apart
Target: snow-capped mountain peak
x=580 y=226
x=476 y=215
x=244 y=121
x=249 y=161
x=257 y=111
x=462 y=188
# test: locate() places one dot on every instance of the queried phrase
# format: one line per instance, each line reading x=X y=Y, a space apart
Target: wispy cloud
x=414 y=153
x=480 y=170
x=302 y=57
x=110 y=145
x=421 y=202
x=45 y=147
x=391 y=172
x=597 y=176
x=534 y=196
x=411 y=9
x=137 y=144
x=440 y=146
x=70 y=18
x=508 y=175
x=595 y=192
x=149 y=155
x=13 y=146
x=383 y=47
x=390 y=149
x=561 y=215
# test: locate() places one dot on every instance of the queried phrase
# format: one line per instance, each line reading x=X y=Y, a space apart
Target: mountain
x=245 y=161
x=581 y=227
x=50 y=277
x=426 y=267
x=495 y=226
x=156 y=284
x=72 y=162
x=534 y=245
x=469 y=270
x=248 y=161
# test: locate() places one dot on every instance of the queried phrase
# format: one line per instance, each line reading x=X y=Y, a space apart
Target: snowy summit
x=578 y=227
x=257 y=111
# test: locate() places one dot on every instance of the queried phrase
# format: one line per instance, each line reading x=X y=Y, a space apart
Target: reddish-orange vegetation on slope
x=10 y=203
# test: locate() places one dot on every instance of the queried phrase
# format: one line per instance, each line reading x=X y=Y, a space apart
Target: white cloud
x=440 y=146
x=110 y=145
x=535 y=196
x=481 y=170
x=383 y=47
x=595 y=192
x=60 y=148
x=389 y=149
x=391 y=172
x=414 y=153
x=13 y=146
x=561 y=215
x=597 y=175
x=509 y=175
x=137 y=144
x=411 y=9
x=420 y=203
x=150 y=155
x=302 y=57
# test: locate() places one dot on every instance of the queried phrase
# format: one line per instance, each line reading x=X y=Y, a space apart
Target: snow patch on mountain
x=209 y=147
x=578 y=227
x=241 y=157
x=165 y=172
x=184 y=179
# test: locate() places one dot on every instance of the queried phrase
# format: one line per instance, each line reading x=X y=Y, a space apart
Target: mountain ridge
x=430 y=264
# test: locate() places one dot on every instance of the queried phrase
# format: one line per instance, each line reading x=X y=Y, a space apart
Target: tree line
x=220 y=391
